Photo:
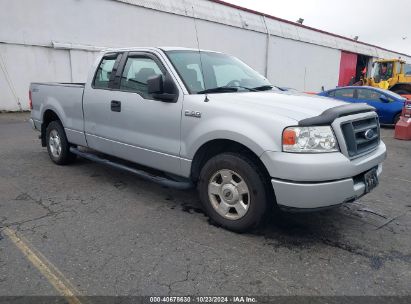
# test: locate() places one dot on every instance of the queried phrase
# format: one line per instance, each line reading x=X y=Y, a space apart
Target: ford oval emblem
x=369 y=134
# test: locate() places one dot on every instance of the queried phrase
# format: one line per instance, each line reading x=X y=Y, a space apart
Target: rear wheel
x=57 y=145
x=233 y=192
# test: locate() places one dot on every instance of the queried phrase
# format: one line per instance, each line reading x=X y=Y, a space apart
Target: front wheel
x=402 y=92
x=233 y=192
x=57 y=145
x=397 y=118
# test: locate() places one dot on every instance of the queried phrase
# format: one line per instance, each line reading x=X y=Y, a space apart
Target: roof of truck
x=162 y=48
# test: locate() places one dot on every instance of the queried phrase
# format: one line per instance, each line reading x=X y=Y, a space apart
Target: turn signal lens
x=289 y=137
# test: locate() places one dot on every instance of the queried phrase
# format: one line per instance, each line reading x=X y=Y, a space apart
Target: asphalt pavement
x=101 y=231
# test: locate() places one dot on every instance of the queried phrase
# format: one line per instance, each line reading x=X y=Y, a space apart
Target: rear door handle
x=116 y=106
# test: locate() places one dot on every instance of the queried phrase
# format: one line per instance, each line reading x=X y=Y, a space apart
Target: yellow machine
x=391 y=74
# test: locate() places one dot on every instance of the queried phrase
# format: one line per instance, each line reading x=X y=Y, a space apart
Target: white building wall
x=24 y=64
x=304 y=66
x=48 y=40
x=248 y=46
x=80 y=64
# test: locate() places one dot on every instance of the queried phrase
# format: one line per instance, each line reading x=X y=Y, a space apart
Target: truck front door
x=145 y=130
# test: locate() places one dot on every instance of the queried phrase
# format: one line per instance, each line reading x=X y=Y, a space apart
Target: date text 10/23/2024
x=204 y=299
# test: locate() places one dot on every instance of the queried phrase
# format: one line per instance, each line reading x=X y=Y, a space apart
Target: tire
x=402 y=92
x=233 y=192
x=397 y=118
x=57 y=145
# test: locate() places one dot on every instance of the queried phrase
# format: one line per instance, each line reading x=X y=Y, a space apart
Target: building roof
x=154 y=48
x=219 y=11
x=301 y=25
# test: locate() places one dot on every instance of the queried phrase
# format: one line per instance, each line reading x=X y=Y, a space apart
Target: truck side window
x=103 y=73
x=344 y=93
x=136 y=73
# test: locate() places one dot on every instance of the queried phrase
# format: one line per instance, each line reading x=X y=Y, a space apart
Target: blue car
x=388 y=104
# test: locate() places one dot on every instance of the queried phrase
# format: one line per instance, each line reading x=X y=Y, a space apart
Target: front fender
x=255 y=137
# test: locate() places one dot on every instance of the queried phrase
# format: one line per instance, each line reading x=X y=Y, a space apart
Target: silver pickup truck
x=187 y=117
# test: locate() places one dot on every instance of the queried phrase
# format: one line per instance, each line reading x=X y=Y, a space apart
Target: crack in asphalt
x=376 y=260
x=305 y=236
x=187 y=273
x=303 y=241
x=170 y=286
x=292 y=235
x=49 y=213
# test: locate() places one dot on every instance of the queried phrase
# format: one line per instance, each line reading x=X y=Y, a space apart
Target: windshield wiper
x=218 y=90
x=263 y=88
x=245 y=88
x=226 y=89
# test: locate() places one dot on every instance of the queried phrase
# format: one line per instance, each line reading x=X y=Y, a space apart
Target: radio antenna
x=195 y=27
x=199 y=52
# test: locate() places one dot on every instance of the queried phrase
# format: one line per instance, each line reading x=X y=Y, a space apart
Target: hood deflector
x=328 y=116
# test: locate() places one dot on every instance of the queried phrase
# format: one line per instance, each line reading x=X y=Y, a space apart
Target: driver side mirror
x=384 y=98
x=162 y=88
x=155 y=84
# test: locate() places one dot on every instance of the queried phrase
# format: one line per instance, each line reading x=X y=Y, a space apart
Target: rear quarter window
x=103 y=73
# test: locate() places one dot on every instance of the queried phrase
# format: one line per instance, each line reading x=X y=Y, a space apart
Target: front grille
x=361 y=136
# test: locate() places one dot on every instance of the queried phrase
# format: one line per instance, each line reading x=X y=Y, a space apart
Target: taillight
x=30 y=101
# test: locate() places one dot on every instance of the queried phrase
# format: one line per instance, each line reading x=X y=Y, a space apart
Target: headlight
x=309 y=140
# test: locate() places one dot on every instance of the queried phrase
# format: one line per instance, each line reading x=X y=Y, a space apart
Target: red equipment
x=30 y=101
x=403 y=126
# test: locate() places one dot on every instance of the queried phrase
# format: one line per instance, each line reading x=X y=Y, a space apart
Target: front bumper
x=311 y=181
x=294 y=195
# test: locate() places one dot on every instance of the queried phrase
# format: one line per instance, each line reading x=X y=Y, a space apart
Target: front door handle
x=116 y=106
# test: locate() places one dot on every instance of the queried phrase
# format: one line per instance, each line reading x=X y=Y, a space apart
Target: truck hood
x=291 y=105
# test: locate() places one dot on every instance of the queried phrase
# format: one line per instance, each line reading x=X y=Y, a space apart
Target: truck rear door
x=99 y=96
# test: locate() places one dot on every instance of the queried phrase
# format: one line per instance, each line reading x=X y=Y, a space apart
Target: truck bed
x=63 y=98
x=64 y=84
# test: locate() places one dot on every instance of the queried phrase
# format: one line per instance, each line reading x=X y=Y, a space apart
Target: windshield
x=382 y=71
x=204 y=72
x=407 y=69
